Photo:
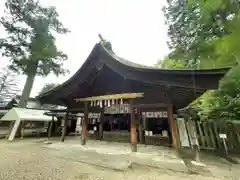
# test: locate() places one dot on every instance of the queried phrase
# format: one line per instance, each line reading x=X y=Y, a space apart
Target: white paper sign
x=161 y=114
x=223 y=136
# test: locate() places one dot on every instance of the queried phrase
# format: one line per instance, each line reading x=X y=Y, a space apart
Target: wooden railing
x=208 y=135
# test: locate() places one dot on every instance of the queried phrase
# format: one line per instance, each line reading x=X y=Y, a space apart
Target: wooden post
x=84 y=124
x=50 y=128
x=201 y=134
x=140 y=128
x=210 y=126
x=196 y=145
x=216 y=134
x=133 y=129
x=172 y=126
x=101 y=124
x=206 y=136
x=64 y=130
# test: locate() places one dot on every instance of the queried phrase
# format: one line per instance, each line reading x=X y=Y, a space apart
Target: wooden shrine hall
x=127 y=97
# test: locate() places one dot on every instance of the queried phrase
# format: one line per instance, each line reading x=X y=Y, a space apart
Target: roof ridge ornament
x=105 y=43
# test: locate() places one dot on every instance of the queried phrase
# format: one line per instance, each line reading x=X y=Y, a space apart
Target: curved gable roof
x=102 y=56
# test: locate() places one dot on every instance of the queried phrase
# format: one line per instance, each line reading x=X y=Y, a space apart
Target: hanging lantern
x=100 y=103
x=91 y=103
x=113 y=102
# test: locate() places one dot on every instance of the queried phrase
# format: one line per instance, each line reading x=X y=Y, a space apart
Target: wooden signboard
x=117 y=109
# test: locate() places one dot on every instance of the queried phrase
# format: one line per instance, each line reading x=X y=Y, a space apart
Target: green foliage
x=30 y=40
x=30 y=44
x=225 y=102
x=168 y=63
x=205 y=34
x=48 y=87
x=8 y=85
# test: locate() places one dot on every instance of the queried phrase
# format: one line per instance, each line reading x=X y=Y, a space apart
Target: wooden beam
x=84 y=124
x=133 y=129
x=142 y=106
x=65 y=110
x=113 y=96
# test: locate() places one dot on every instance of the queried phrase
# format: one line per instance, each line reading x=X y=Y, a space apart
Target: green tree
x=204 y=34
x=48 y=87
x=8 y=85
x=225 y=102
x=168 y=63
x=30 y=44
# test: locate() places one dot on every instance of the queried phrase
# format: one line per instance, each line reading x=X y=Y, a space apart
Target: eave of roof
x=100 y=49
x=167 y=71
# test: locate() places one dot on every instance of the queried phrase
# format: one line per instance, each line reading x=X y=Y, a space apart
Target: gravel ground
x=28 y=160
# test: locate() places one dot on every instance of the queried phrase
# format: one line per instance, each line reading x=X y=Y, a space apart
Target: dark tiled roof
x=100 y=55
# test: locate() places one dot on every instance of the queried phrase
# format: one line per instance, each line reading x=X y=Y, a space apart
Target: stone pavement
x=27 y=159
x=119 y=157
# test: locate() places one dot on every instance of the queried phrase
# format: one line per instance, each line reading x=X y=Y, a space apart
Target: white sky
x=134 y=27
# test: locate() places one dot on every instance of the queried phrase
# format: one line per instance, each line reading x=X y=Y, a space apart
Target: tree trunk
x=31 y=73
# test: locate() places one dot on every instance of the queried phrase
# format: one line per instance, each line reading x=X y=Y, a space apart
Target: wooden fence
x=208 y=135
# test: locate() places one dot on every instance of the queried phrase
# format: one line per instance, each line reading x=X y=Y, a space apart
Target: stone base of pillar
x=134 y=147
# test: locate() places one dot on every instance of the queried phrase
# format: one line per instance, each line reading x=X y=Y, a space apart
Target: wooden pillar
x=133 y=128
x=50 y=128
x=101 y=123
x=64 y=130
x=140 y=128
x=172 y=125
x=84 y=124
